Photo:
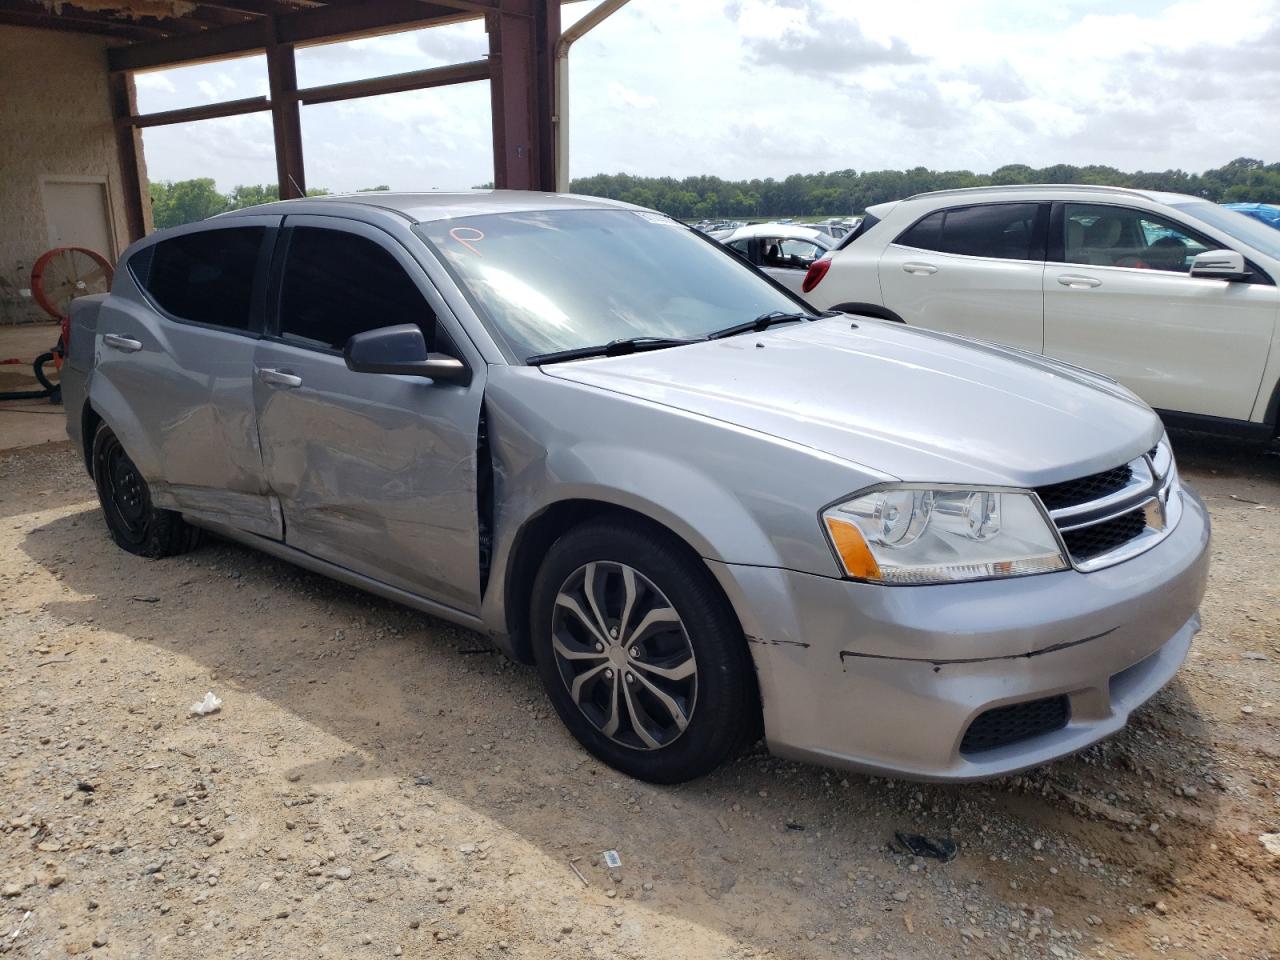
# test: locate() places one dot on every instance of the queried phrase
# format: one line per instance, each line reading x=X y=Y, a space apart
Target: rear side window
x=337 y=284
x=203 y=277
x=868 y=221
x=1006 y=231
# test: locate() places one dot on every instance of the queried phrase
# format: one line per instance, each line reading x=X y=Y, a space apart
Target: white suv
x=1173 y=296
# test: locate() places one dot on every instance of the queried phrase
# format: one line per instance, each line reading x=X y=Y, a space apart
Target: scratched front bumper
x=888 y=679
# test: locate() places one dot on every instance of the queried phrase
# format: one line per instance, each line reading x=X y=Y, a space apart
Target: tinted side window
x=1001 y=230
x=205 y=277
x=338 y=284
x=925 y=235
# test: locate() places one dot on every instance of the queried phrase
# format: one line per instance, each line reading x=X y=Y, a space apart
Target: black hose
x=51 y=390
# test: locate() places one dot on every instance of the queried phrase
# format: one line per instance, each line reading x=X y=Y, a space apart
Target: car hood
x=914 y=404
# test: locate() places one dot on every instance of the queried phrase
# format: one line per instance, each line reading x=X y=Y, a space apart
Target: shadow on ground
x=412 y=697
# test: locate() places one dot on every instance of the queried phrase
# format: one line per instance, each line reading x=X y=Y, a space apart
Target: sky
x=764 y=88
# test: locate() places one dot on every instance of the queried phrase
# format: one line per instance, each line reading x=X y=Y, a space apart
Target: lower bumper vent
x=1002 y=726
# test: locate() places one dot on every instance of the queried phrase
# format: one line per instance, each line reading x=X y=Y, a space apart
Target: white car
x=784 y=251
x=1173 y=296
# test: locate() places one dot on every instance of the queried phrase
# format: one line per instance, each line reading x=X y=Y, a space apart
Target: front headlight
x=910 y=534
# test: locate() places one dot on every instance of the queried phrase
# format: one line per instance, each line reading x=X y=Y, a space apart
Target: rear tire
x=135 y=525
x=641 y=653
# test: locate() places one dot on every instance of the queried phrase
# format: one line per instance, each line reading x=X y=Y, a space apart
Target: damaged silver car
x=632 y=459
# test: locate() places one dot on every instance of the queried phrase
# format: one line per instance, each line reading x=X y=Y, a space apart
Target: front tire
x=135 y=525
x=641 y=654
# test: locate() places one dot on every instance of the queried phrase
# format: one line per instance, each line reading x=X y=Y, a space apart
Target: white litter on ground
x=210 y=704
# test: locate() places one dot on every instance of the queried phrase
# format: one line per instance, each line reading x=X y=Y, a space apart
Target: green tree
x=250 y=196
x=185 y=201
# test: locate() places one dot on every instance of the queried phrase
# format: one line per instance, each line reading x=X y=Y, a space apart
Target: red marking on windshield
x=468 y=236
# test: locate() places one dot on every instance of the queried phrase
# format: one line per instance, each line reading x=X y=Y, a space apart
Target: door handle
x=919 y=269
x=117 y=342
x=1077 y=282
x=278 y=378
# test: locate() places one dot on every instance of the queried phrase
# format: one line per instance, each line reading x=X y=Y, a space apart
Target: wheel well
x=535 y=539
x=869 y=310
x=1272 y=414
x=89 y=420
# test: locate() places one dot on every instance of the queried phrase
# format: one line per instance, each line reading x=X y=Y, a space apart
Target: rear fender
x=116 y=413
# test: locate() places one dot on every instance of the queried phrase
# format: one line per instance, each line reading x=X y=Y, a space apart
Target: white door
x=1121 y=301
x=976 y=271
x=78 y=215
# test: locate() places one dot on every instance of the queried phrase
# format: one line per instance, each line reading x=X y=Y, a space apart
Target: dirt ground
x=381 y=784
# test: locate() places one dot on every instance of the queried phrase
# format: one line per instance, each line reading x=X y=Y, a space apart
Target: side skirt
x=341 y=574
x=1203 y=423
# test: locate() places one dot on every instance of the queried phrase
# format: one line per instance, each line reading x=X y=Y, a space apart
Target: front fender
x=693 y=505
x=733 y=495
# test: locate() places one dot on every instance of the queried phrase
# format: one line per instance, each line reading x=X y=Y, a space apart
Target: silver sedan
x=621 y=453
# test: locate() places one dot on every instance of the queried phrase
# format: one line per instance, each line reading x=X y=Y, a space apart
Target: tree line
x=835 y=193
x=175 y=202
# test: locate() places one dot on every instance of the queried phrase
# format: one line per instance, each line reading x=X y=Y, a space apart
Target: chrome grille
x=1116 y=514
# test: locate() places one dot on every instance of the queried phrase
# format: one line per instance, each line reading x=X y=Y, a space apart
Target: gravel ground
x=381 y=784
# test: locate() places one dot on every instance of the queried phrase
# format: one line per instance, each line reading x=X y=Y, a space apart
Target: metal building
x=70 y=136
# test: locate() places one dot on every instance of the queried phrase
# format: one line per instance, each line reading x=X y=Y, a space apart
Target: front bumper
x=888 y=679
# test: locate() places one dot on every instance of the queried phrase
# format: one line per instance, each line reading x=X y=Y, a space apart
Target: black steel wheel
x=640 y=652
x=134 y=523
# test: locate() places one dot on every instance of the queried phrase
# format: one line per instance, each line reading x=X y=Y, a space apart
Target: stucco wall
x=55 y=120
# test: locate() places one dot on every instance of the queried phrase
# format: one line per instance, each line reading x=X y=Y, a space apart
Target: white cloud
x=758 y=88
x=154 y=81
x=624 y=96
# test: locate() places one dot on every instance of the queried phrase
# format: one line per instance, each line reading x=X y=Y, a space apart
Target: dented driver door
x=374 y=472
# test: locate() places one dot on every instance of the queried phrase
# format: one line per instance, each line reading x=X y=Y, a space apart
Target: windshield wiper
x=765 y=321
x=614 y=348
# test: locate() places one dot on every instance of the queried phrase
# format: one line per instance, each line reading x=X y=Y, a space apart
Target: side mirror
x=1220 y=265
x=401 y=349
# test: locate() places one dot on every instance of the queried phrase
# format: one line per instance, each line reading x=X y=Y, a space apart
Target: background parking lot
x=378 y=783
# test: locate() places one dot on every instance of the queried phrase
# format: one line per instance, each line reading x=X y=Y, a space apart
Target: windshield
x=555 y=280
x=1256 y=234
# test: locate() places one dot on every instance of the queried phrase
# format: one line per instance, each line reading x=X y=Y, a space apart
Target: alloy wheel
x=624 y=655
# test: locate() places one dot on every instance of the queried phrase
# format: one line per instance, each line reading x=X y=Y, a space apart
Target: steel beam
x=286 y=124
x=521 y=43
x=137 y=204
x=204 y=111
x=25 y=15
x=397 y=83
x=314 y=25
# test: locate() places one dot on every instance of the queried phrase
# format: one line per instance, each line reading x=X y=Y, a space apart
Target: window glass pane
x=1105 y=236
x=1253 y=232
x=337 y=284
x=1003 y=230
x=205 y=277
x=559 y=279
x=925 y=235
x=801 y=251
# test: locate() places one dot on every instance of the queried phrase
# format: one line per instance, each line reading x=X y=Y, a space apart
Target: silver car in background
x=608 y=444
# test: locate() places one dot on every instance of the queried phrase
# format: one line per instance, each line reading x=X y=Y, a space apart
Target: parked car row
x=1172 y=296
x=628 y=456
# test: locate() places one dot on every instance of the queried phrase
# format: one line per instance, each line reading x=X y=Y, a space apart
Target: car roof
x=786 y=231
x=438 y=204
x=1080 y=189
